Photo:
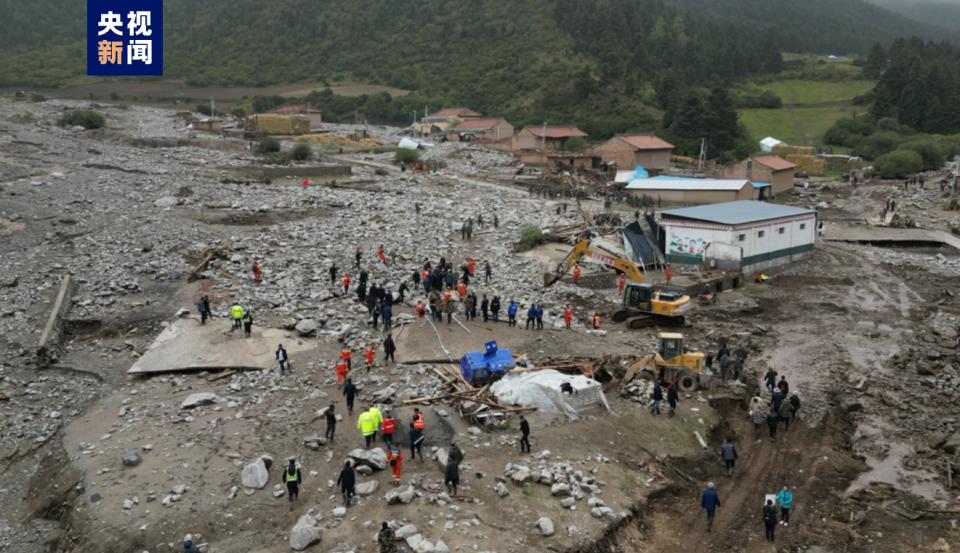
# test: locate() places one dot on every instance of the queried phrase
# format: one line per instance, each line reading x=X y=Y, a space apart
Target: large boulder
x=440 y=456
x=367 y=488
x=306 y=327
x=305 y=532
x=167 y=201
x=198 y=399
x=398 y=496
x=375 y=458
x=256 y=474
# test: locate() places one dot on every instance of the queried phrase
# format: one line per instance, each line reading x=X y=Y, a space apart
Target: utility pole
x=212 y=111
x=703 y=154
x=543 y=138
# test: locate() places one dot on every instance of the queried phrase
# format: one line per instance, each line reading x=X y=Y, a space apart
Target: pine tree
x=876 y=62
x=721 y=126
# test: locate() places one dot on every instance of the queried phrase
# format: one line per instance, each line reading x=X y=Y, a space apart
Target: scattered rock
x=131 y=458
x=307 y=327
x=375 y=458
x=305 y=532
x=367 y=488
x=255 y=474
x=545 y=525
x=398 y=496
x=199 y=398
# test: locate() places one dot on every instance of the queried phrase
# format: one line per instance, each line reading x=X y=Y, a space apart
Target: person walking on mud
x=785 y=500
x=524 y=435
x=772 y=421
x=673 y=397
x=758 y=417
x=656 y=398
x=728 y=452
x=292 y=478
x=769 y=520
x=770 y=379
x=709 y=501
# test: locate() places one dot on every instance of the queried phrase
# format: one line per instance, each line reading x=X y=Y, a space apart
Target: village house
x=769 y=169
x=692 y=190
x=441 y=121
x=628 y=151
x=313 y=114
x=536 y=138
x=480 y=130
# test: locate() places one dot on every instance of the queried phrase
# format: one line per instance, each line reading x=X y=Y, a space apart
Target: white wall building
x=745 y=235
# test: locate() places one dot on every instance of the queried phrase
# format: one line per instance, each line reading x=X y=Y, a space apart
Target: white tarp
x=541 y=389
x=409 y=144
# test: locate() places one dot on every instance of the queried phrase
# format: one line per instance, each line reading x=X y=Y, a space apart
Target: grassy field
x=815 y=94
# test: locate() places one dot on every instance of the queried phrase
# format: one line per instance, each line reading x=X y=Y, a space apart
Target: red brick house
x=481 y=130
x=628 y=151
x=766 y=168
x=535 y=138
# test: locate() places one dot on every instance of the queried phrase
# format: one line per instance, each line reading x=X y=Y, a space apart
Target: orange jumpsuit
x=395 y=458
x=567 y=317
x=462 y=290
x=341 y=372
x=596 y=321
x=576 y=274
x=381 y=255
x=370 y=354
x=471 y=265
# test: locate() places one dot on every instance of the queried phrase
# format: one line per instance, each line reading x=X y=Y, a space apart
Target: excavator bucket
x=550 y=278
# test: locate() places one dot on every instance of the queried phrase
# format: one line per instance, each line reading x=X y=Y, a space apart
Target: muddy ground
x=866 y=334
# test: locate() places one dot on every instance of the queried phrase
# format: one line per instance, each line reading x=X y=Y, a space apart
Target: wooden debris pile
x=473 y=403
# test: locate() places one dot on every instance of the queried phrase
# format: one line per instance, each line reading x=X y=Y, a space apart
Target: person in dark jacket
x=401 y=291
x=389 y=348
x=673 y=397
x=349 y=393
x=783 y=386
x=485 y=308
x=512 y=313
x=657 y=397
x=487 y=273
x=347 y=482
x=777 y=400
x=333 y=274
x=795 y=403
x=357 y=256
x=331 y=420
x=772 y=421
x=770 y=379
x=364 y=276
x=539 y=317
x=416 y=442
x=709 y=501
x=495 y=308
x=532 y=316
x=728 y=452
x=524 y=435
x=769 y=520
x=785 y=414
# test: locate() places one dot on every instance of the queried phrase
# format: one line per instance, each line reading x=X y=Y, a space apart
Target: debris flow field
x=135 y=425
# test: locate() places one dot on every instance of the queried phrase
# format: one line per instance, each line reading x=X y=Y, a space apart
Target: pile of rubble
x=568 y=484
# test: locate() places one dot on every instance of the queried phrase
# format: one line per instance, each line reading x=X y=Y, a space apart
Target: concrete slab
x=865 y=234
x=186 y=345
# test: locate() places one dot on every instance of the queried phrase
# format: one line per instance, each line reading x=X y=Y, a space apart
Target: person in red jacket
x=462 y=290
x=381 y=255
x=342 y=372
x=395 y=458
x=346 y=283
x=387 y=427
x=257 y=272
x=421 y=310
x=567 y=317
x=370 y=354
x=576 y=274
x=346 y=355
x=596 y=321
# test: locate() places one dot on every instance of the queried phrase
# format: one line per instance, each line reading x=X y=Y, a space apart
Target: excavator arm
x=606 y=259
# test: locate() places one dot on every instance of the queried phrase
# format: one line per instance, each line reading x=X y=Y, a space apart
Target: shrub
x=530 y=236
x=575 y=144
x=301 y=152
x=268 y=145
x=763 y=99
x=934 y=155
x=85 y=118
x=898 y=163
x=877 y=144
x=406 y=155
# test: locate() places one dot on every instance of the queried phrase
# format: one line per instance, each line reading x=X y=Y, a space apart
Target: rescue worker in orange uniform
x=381 y=255
x=346 y=282
x=576 y=274
x=421 y=310
x=596 y=321
x=342 y=371
x=370 y=354
x=346 y=356
x=462 y=290
x=567 y=317
x=257 y=272
x=395 y=458
x=471 y=266
x=417 y=418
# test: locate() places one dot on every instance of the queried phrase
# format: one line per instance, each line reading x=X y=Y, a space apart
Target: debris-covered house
x=439 y=122
x=630 y=150
x=544 y=138
x=481 y=130
x=743 y=235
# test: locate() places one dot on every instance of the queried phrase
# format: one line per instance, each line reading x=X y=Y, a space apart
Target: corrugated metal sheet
x=734 y=213
x=687 y=184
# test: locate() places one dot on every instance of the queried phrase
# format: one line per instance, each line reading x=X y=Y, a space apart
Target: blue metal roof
x=761 y=184
x=736 y=213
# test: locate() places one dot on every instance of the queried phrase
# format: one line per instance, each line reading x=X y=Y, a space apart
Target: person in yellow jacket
x=367 y=426
x=236 y=313
x=378 y=417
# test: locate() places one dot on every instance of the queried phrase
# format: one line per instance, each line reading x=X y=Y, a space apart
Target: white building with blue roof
x=744 y=235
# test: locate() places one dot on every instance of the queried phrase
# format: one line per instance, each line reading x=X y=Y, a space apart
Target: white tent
x=768 y=143
x=541 y=389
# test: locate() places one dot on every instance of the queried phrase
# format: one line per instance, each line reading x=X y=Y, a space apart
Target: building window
x=803 y=226
x=781 y=230
x=741 y=237
x=759 y=234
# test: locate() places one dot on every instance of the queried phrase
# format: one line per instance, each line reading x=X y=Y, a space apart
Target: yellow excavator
x=672 y=363
x=643 y=303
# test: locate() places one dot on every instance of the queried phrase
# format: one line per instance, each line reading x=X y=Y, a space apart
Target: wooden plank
x=52 y=329
x=220 y=375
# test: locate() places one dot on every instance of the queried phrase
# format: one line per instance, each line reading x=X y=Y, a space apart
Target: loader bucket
x=550 y=278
